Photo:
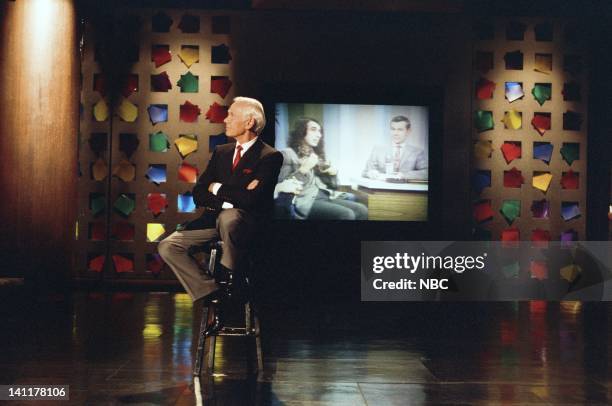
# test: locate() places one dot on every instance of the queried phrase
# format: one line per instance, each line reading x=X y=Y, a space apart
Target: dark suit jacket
x=261 y=162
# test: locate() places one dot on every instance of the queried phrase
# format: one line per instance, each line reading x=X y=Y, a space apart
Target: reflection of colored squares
x=123 y=231
x=155 y=263
x=123 y=262
x=95 y=262
x=97 y=203
x=538 y=270
x=187 y=173
x=97 y=231
x=185 y=203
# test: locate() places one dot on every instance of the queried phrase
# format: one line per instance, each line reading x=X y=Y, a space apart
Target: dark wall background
x=363 y=51
x=370 y=49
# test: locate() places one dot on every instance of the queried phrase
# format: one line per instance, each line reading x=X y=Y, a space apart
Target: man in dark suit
x=236 y=192
x=398 y=159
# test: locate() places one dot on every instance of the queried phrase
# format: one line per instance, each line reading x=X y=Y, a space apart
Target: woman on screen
x=307 y=181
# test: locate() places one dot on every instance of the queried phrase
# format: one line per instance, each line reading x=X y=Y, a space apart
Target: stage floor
x=137 y=348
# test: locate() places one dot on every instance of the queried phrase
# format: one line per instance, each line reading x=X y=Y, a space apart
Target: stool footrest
x=237 y=331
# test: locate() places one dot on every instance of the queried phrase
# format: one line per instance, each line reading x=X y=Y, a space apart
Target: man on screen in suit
x=236 y=191
x=398 y=160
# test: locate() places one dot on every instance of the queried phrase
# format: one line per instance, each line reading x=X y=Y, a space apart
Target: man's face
x=236 y=122
x=399 y=132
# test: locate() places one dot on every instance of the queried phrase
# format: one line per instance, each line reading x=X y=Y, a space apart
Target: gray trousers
x=234 y=227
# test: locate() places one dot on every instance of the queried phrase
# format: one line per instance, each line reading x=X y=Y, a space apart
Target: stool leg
x=201 y=343
x=210 y=359
x=249 y=334
x=212 y=262
x=260 y=367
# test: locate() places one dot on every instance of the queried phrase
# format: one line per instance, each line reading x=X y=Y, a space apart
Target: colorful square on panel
x=185 y=203
x=160 y=55
x=157 y=203
x=220 y=54
x=161 y=22
x=158 y=142
x=156 y=173
x=125 y=204
x=123 y=262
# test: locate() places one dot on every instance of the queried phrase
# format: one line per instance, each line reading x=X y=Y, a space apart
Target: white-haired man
x=236 y=191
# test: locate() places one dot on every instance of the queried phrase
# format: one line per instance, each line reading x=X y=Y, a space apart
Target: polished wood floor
x=137 y=349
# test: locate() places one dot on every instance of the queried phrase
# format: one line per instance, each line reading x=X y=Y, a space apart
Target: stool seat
x=251 y=328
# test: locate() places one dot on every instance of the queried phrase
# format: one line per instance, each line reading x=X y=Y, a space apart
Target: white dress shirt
x=216 y=185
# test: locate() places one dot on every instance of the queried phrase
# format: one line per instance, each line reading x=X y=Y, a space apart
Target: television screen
x=352 y=162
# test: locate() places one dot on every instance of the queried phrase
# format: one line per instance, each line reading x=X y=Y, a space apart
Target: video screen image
x=352 y=162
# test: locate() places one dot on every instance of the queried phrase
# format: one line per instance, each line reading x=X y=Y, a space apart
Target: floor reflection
x=137 y=348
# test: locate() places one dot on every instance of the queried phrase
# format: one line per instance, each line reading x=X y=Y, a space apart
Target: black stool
x=251 y=328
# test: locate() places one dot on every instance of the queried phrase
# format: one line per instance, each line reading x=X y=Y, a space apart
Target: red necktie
x=237 y=157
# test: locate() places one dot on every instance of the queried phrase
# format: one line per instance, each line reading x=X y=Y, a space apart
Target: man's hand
x=374 y=174
x=291 y=185
x=330 y=171
x=253 y=184
x=308 y=163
